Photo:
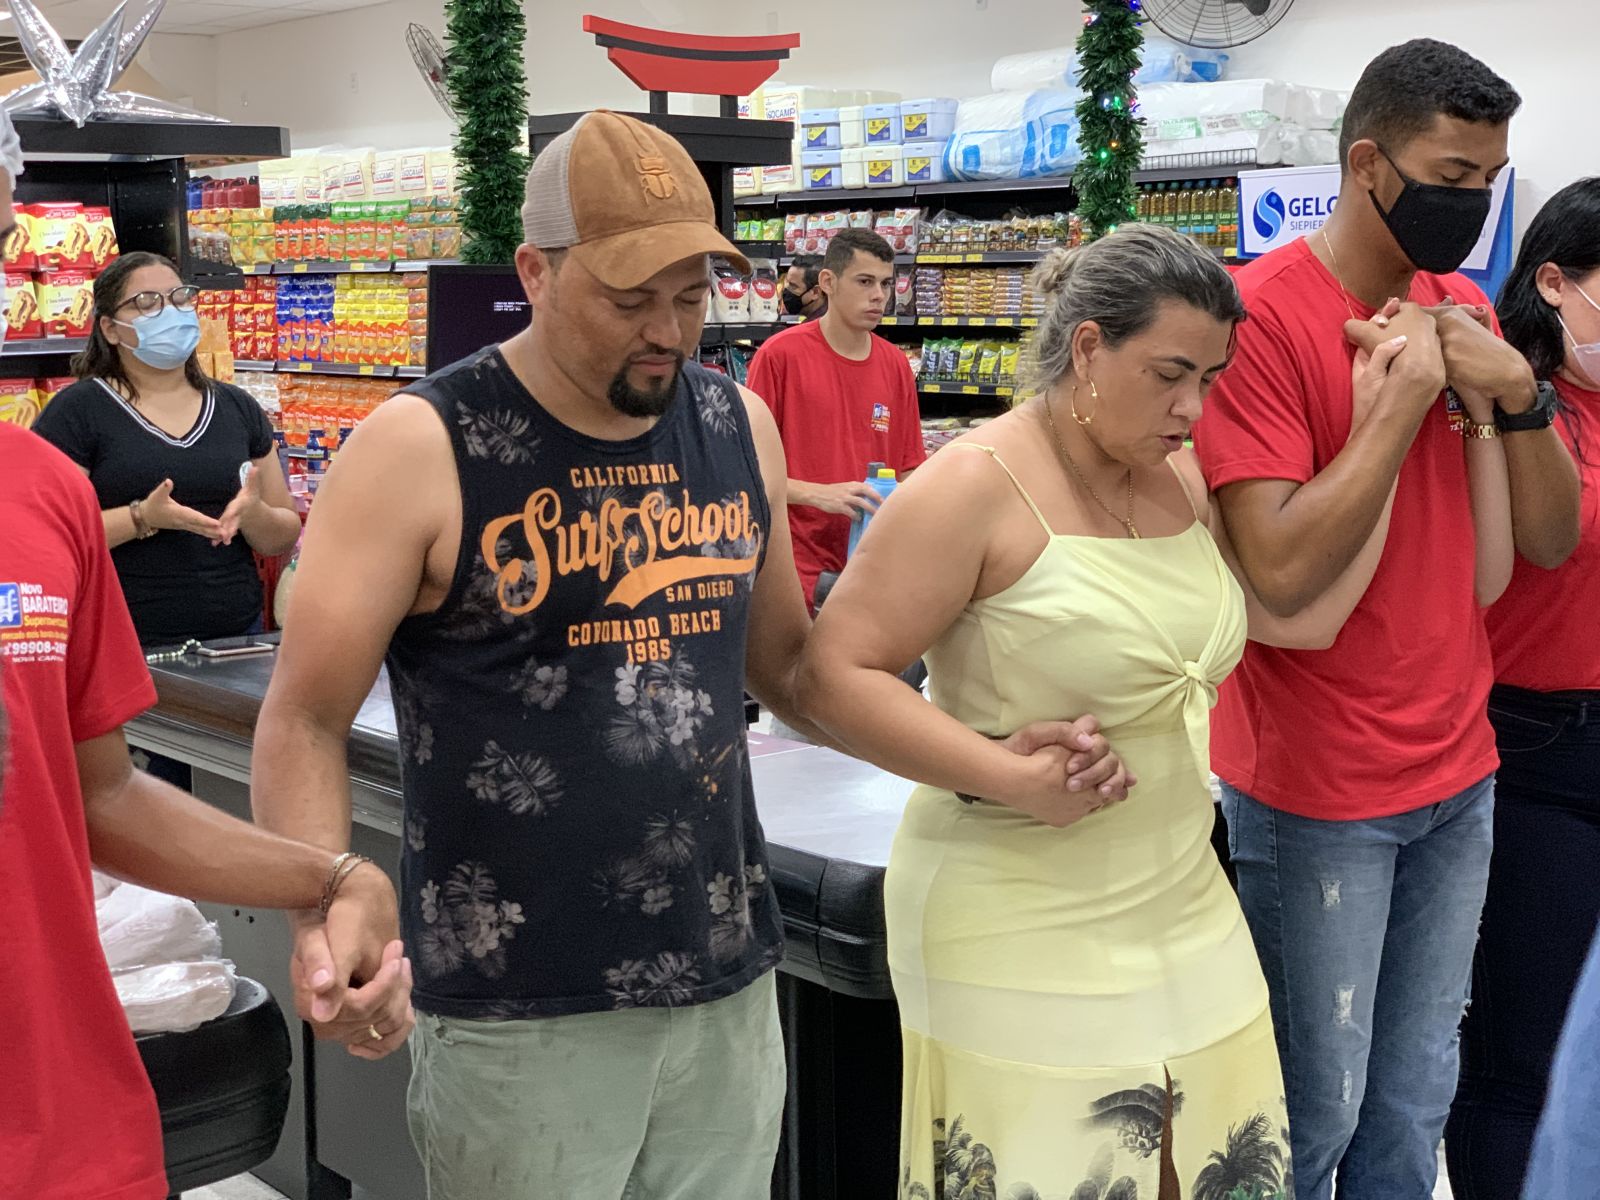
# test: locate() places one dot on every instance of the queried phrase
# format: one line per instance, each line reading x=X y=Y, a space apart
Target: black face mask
x=794 y=303
x=1436 y=226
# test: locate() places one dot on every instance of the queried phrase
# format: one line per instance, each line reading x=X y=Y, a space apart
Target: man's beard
x=644 y=405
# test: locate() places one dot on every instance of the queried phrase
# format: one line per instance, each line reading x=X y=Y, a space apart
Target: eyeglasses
x=183 y=298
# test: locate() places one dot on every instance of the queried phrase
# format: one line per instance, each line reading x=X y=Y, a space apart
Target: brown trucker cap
x=625 y=198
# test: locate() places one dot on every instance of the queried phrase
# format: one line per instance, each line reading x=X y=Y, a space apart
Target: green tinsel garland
x=486 y=82
x=1108 y=132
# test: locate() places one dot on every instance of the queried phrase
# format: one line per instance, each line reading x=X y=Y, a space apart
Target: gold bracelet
x=1471 y=429
x=141 y=527
x=341 y=870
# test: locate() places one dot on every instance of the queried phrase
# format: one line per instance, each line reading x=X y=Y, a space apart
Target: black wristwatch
x=1541 y=416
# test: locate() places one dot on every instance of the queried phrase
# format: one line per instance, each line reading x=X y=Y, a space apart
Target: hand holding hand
x=1415 y=378
x=1368 y=375
x=350 y=974
x=161 y=511
x=1071 y=771
x=1483 y=369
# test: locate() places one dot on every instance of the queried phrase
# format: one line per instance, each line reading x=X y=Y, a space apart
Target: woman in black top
x=182 y=464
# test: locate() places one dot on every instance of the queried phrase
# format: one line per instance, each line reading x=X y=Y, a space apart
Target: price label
x=367 y=369
x=1005 y=320
x=1005 y=391
x=303 y=367
x=301 y=268
x=924 y=320
x=969 y=389
x=1030 y=322
x=974 y=258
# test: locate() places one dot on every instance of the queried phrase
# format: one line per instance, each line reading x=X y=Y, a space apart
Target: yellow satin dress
x=1083 y=1014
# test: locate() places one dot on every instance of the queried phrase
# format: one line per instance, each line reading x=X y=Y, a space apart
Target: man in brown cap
x=571 y=549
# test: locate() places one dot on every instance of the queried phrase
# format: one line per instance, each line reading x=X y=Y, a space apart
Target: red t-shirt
x=1391 y=717
x=836 y=416
x=1542 y=630
x=77 y=1116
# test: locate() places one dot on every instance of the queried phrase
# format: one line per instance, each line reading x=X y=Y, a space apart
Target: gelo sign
x=1280 y=206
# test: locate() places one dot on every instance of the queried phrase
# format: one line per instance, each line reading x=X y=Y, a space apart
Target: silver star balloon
x=77 y=84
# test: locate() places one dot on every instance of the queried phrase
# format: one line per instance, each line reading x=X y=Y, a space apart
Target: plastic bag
x=1162 y=60
x=139 y=927
x=1014 y=135
x=175 y=997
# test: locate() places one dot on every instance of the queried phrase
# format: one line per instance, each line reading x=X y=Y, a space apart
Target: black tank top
x=580 y=829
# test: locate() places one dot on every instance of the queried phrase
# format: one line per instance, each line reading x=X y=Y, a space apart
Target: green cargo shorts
x=641 y=1104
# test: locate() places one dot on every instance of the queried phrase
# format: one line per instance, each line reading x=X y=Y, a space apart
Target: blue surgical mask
x=166 y=339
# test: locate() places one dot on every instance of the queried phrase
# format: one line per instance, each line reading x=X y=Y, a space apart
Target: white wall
x=348 y=77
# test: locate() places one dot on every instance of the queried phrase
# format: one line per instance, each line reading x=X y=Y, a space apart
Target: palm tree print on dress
x=466 y=923
x=540 y=687
x=1137 y=1115
x=1249 y=1168
x=524 y=783
x=662 y=711
x=498 y=434
x=739 y=548
x=668 y=980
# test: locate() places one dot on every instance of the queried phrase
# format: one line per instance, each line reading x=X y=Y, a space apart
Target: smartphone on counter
x=238 y=647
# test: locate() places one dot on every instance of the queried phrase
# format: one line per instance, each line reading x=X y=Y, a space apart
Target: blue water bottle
x=881 y=479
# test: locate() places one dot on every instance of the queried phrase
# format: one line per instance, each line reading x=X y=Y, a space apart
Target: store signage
x=1280 y=205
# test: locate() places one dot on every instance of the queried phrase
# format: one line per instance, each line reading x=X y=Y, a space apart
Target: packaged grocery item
x=60 y=236
x=924 y=161
x=886 y=167
x=819 y=127
x=447 y=242
x=905 y=294
x=794 y=232
x=19 y=401
x=966 y=362
x=822 y=170
x=19 y=251
x=989 y=363
x=764 y=304
x=441 y=172
x=66 y=302
x=927 y=120
x=881 y=123
x=412 y=181
x=386 y=174
x=357 y=173
x=1010 y=361
x=852 y=127
x=730 y=297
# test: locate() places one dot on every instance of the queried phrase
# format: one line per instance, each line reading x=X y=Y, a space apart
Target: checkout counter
x=829 y=820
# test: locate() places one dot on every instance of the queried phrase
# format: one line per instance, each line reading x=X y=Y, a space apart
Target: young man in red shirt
x=1359 y=780
x=77 y=1116
x=843 y=398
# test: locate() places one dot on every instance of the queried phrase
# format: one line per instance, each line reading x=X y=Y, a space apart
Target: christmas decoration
x=485 y=76
x=76 y=84
x=1108 y=130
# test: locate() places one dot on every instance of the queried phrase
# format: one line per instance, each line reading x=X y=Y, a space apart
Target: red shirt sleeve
x=1255 y=424
x=911 y=453
x=108 y=683
x=766 y=380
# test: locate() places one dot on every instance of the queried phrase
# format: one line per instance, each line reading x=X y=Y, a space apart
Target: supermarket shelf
x=966 y=389
x=120 y=141
x=993 y=258
x=761 y=249
x=826 y=196
x=718 y=333
x=986 y=187
x=410 y=372
x=254 y=364
x=321 y=368
x=963 y=322
x=316 y=267
x=46 y=346
x=960 y=187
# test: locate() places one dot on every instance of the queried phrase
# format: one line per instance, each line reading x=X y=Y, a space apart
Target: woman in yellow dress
x=1083 y=1014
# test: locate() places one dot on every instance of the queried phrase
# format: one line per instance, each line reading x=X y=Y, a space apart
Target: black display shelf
x=962 y=187
x=824 y=196
x=254 y=364
x=718 y=333
x=44 y=346
x=761 y=249
x=123 y=141
x=1001 y=391
x=941 y=322
x=366 y=370
x=410 y=372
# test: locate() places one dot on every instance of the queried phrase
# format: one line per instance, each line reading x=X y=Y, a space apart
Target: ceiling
x=75 y=18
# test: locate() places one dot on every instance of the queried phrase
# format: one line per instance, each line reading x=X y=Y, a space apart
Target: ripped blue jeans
x=1365 y=931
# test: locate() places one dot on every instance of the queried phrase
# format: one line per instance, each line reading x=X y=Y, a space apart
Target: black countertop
x=829 y=819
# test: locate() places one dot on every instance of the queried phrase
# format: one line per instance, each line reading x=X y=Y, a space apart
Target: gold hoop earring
x=1094 y=393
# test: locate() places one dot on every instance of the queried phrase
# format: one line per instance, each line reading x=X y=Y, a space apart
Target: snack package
x=764 y=304
x=357 y=173
x=730 y=297
x=386 y=174
x=19 y=248
x=66 y=300
x=19 y=401
x=794 y=232
x=60 y=236
x=966 y=362
x=441 y=173
x=905 y=294
x=412 y=181
x=1010 y=361
x=989 y=362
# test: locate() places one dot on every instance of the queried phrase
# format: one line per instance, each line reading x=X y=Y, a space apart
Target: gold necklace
x=1125 y=522
x=1338 y=276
